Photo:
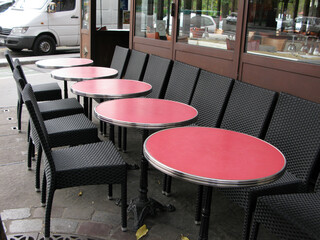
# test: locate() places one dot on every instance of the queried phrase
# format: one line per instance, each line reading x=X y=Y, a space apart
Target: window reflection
x=284 y=29
x=112 y=15
x=210 y=23
x=151 y=19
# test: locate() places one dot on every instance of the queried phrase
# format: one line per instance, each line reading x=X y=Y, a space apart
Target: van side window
x=65 y=5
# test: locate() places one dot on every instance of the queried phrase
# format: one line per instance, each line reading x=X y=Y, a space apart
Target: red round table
x=145 y=113
x=64 y=63
x=109 y=89
x=215 y=158
x=83 y=73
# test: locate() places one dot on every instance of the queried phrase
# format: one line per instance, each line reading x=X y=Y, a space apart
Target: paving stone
x=22 y=226
x=94 y=229
x=106 y=217
x=119 y=235
x=78 y=213
x=56 y=212
x=63 y=225
x=14 y=214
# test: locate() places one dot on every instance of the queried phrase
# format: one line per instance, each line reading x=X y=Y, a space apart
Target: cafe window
x=85 y=11
x=112 y=15
x=209 y=23
x=286 y=29
x=152 y=19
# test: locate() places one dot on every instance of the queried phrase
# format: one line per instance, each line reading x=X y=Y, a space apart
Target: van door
x=65 y=22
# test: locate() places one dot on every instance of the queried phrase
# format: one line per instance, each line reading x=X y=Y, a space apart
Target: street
x=34 y=75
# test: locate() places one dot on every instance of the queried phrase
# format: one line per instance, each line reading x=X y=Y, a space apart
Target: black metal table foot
x=141 y=209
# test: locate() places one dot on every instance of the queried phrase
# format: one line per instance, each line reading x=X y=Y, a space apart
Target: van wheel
x=44 y=45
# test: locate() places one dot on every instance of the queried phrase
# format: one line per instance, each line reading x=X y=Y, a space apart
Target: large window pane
x=151 y=19
x=112 y=14
x=287 y=29
x=210 y=23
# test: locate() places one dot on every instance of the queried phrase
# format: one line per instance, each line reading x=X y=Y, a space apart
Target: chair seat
x=88 y=164
x=300 y=210
x=288 y=183
x=60 y=108
x=76 y=129
x=47 y=91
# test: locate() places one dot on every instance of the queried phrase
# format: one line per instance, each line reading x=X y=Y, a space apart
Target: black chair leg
x=30 y=154
x=38 y=167
x=124 y=205
x=119 y=138
x=19 y=113
x=44 y=190
x=197 y=219
x=48 y=212
x=110 y=192
x=124 y=139
x=164 y=184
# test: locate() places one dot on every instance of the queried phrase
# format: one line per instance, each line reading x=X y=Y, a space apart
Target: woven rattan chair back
x=182 y=82
x=136 y=65
x=210 y=98
x=119 y=60
x=9 y=59
x=295 y=130
x=249 y=109
x=157 y=74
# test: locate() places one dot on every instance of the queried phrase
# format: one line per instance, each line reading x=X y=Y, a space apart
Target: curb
x=32 y=60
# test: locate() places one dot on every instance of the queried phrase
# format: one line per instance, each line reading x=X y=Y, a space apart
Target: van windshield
x=29 y=4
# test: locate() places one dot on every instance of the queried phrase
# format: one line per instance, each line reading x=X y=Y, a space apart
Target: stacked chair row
x=85 y=160
x=288 y=122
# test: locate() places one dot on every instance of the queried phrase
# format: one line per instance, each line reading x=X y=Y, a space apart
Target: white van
x=41 y=25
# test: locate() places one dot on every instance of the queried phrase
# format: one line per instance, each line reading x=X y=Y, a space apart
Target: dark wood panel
x=104 y=43
x=300 y=85
x=210 y=63
x=155 y=50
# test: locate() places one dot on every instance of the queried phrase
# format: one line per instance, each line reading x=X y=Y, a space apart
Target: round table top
x=214 y=157
x=83 y=73
x=146 y=113
x=111 y=88
x=63 y=62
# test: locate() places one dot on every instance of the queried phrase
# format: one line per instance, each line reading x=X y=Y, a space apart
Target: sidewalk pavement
x=85 y=212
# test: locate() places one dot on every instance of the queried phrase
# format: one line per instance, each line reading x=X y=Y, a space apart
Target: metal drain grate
x=37 y=236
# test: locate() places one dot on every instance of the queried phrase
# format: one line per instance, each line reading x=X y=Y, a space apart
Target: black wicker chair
x=43 y=92
x=294 y=129
x=157 y=74
x=210 y=99
x=248 y=110
x=183 y=79
x=63 y=131
x=89 y=164
x=289 y=216
x=120 y=60
x=136 y=65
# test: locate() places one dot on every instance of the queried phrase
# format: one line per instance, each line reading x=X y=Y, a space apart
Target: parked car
x=232 y=18
x=4 y=5
x=205 y=22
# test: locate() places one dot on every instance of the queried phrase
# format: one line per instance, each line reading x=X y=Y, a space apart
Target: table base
x=143 y=208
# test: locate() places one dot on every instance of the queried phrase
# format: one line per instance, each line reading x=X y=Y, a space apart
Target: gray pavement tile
x=106 y=217
x=23 y=226
x=59 y=225
x=94 y=229
x=39 y=212
x=118 y=234
x=78 y=213
x=14 y=214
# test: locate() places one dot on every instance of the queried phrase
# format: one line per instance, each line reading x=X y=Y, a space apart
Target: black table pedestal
x=142 y=206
